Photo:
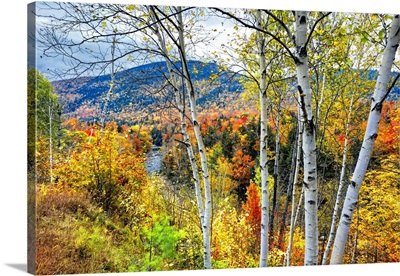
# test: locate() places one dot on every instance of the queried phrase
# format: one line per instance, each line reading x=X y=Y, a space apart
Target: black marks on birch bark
x=302 y=101
x=373 y=136
x=347 y=220
x=378 y=107
x=302 y=51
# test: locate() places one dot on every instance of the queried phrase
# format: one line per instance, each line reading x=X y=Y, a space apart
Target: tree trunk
x=354 y=255
x=379 y=96
x=200 y=144
x=339 y=191
x=309 y=147
x=179 y=100
x=276 y=174
x=110 y=90
x=59 y=133
x=293 y=217
x=263 y=148
x=289 y=192
x=204 y=212
x=51 y=141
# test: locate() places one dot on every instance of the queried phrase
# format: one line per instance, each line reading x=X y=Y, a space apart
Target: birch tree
x=48 y=121
x=178 y=41
x=293 y=215
x=295 y=44
x=340 y=188
x=263 y=147
x=114 y=35
x=200 y=145
x=204 y=210
x=380 y=93
x=308 y=145
x=264 y=71
x=276 y=168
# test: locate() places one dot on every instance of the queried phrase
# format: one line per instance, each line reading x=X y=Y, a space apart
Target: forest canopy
x=184 y=138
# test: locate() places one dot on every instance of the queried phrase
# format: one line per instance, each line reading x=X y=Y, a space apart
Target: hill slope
x=142 y=89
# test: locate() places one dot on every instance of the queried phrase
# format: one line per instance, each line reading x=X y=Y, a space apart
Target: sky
x=47 y=65
x=13 y=132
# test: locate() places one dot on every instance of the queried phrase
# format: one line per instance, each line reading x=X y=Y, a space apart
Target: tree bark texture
x=340 y=188
x=380 y=92
x=293 y=216
x=263 y=148
x=309 y=145
x=200 y=144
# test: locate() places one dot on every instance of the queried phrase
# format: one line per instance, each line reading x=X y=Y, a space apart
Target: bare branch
x=260 y=30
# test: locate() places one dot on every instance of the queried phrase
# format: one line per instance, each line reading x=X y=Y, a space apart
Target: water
x=154 y=160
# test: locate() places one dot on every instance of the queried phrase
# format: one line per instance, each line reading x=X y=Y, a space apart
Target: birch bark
x=179 y=100
x=110 y=90
x=309 y=145
x=51 y=141
x=263 y=147
x=200 y=145
x=276 y=173
x=295 y=179
x=370 y=136
x=340 y=188
x=289 y=191
x=203 y=208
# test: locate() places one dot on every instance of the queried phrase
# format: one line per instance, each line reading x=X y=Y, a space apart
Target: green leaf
x=381 y=34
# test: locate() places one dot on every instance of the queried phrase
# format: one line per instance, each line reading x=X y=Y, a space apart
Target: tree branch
x=260 y=30
x=289 y=33
x=314 y=26
x=379 y=105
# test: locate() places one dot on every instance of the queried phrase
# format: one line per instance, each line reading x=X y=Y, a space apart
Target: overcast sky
x=45 y=64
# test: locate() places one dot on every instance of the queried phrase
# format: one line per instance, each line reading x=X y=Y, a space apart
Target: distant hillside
x=142 y=89
x=395 y=93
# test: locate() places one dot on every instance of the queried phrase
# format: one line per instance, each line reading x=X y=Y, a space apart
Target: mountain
x=142 y=89
x=394 y=94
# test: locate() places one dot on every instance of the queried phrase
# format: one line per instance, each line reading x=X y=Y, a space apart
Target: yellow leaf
x=130 y=7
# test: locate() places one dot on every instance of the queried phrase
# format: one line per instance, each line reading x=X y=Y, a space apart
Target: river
x=154 y=160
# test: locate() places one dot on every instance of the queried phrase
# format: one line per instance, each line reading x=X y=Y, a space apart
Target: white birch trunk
x=51 y=141
x=295 y=179
x=299 y=206
x=381 y=88
x=321 y=100
x=186 y=139
x=289 y=191
x=110 y=90
x=263 y=149
x=340 y=188
x=309 y=147
x=200 y=144
x=276 y=173
x=179 y=99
